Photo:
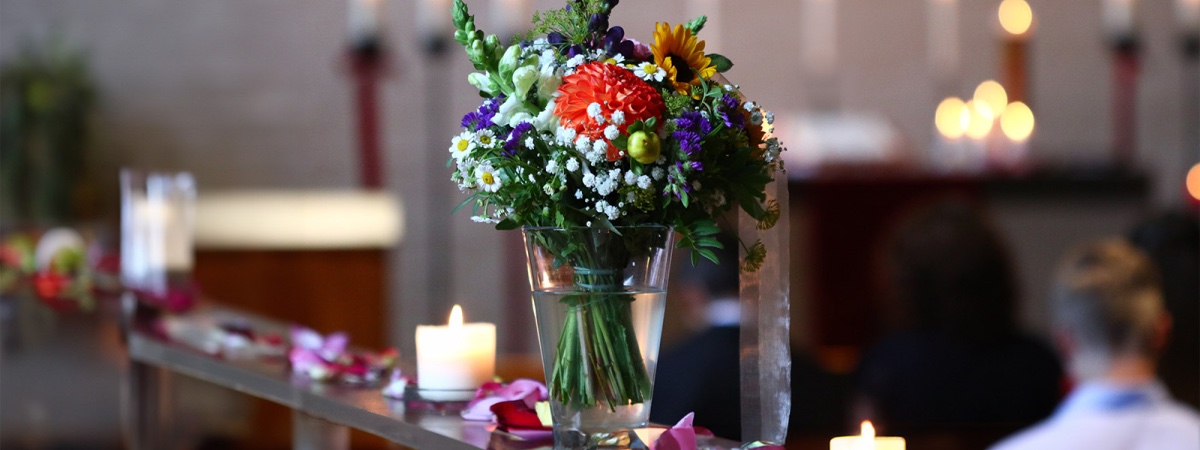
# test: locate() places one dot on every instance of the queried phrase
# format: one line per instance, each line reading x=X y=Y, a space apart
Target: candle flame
x=456 y=317
x=1017 y=122
x=1015 y=16
x=868 y=430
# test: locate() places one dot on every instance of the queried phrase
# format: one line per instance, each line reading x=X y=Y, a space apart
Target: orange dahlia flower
x=615 y=89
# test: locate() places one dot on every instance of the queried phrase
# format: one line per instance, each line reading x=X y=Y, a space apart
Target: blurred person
x=1111 y=325
x=1172 y=241
x=702 y=374
x=960 y=368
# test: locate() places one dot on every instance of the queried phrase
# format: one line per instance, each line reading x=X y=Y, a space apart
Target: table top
x=359 y=407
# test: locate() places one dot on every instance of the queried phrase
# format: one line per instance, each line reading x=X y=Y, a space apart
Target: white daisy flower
x=649 y=71
x=461 y=146
x=485 y=138
x=487 y=177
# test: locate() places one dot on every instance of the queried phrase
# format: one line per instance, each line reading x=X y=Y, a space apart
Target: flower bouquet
x=608 y=152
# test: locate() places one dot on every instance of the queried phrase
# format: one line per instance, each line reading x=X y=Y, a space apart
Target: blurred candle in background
x=511 y=17
x=433 y=19
x=1016 y=20
x=1119 y=18
x=1188 y=14
x=712 y=28
x=818 y=50
x=943 y=43
x=363 y=21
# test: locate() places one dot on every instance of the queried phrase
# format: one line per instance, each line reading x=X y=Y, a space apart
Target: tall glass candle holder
x=157 y=216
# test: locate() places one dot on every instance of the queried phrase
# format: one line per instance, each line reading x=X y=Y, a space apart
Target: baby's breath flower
x=572 y=165
x=611 y=132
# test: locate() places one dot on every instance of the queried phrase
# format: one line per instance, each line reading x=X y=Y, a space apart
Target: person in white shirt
x=1110 y=325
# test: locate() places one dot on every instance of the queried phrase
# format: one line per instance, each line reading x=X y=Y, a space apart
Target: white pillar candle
x=363 y=19
x=433 y=18
x=511 y=17
x=818 y=50
x=1119 y=17
x=455 y=357
x=1188 y=12
x=943 y=38
x=866 y=441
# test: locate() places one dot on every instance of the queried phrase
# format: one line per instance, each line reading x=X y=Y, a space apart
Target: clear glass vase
x=598 y=301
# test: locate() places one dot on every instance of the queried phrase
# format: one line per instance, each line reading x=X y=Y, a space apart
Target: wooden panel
x=327 y=290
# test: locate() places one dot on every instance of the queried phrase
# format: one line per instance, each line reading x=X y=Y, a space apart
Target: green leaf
x=508 y=224
x=723 y=64
x=464 y=203
x=707 y=254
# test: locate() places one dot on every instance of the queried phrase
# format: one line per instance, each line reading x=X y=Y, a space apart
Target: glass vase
x=598 y=301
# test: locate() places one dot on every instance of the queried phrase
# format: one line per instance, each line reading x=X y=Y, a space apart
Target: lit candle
x=456 y=357
x=1017 y=125
x=866 y=441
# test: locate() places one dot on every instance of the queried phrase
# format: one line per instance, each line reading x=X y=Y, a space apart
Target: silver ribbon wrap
x=766 y=363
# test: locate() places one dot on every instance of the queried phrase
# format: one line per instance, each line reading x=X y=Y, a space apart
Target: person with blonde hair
x=1111 y=326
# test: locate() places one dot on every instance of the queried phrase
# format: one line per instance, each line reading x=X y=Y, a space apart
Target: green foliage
x=722 y=63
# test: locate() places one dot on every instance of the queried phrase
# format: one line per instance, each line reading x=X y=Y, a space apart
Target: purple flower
x=696 y=166
x=728 y=110
x=693 y=121
x=482 y=117
x=515 y=137
x=616 y=44
x=598 y=23
x=688 y=141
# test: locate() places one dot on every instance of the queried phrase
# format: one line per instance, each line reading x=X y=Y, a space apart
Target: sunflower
x=681 y=55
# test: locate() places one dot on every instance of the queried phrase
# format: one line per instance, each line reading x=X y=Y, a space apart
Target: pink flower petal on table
x=491 y=393
x=680 y=437
x=305 y=338
x=396 y=386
